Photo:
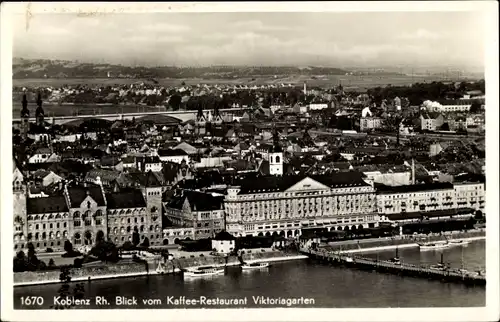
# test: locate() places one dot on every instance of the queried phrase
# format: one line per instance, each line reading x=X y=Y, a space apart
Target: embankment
x=118 y=270
x=80 y=274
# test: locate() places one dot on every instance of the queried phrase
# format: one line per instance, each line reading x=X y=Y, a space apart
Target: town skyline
x=257 y=39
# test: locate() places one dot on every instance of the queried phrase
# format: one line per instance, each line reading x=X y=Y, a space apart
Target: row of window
x=44 y=226
x=302 y=195
x=46 y=217
x=122 y=230
x=87 y=222
x=44 y=235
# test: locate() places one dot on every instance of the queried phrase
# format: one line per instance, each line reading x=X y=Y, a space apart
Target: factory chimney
x=412 y=171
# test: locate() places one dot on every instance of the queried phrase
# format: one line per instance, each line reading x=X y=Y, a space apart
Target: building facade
x=429 y=123
x=370 y=123
x=283 y=206
x=83 y=211
x=201 y=211
x=430 y=197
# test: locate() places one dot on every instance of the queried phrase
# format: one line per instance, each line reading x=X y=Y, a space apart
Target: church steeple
x=200 y=112
x=217 y=119
x=25 y=113
x=40 y=114
x=276 y=141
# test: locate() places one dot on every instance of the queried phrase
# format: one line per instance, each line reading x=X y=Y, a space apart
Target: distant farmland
x=361 y=82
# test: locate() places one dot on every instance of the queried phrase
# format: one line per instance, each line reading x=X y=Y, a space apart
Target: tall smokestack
x=305 y=88
x=412 y=171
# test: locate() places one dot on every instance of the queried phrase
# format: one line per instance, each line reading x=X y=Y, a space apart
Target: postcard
x=241 y=161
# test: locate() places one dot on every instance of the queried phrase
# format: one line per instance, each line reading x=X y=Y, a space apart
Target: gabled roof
x=77 y=195
x=383 y=189
x=132 y=198
x=282 y=183
x=46 y=205
x=224 y=235
x=148 y=179
x=171 y=152
x=110 y=160
x=103 y=174
x=199 y=201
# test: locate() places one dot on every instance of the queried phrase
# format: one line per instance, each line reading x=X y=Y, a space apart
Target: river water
x=327 y=286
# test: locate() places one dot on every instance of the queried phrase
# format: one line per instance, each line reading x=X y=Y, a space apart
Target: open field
x=361 y=82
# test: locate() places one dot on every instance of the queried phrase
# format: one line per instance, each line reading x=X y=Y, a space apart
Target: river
x=327 y=286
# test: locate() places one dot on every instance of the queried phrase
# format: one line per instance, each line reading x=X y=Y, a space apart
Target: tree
x=68 y=247
x=135 y=237
x=33 y=261
x=475 y=108
x=127 y=246
x=110 y=252
x=65 y=278
x=145 y=243
x=175 y=102
x=99 y=237
x=52 y=263
x=20 y=262
x=445 y=127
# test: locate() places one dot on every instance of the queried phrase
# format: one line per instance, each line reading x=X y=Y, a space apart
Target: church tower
x=201 y=121
x=40 y=114
x=25 y=116
x=20 y=214
x=217 y=118
x=276 y=156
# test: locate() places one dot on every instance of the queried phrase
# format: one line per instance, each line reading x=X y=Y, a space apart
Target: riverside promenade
x=155 y=266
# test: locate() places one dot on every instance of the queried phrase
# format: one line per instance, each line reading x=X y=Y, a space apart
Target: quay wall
x=408 y=241
x=106 y=271
x=78 y=274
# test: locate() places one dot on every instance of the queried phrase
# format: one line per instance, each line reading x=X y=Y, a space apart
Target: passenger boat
x=439 y=267
x=434 y=245
x=460 y=242
x=395 y=261
x=349 y=259
x=247 y=266
x=204 y=271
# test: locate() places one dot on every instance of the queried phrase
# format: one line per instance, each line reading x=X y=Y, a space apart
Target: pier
x=402 y=269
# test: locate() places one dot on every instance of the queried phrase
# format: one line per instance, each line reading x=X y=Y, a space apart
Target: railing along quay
x=402 y=269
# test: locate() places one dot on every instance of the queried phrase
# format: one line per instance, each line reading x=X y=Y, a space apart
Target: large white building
x=429 y=198
x=265 y=206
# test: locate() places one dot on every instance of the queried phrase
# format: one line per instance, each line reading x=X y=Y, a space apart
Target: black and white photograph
x=235 y=157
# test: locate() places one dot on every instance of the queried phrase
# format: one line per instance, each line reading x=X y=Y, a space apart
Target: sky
x=332 y=39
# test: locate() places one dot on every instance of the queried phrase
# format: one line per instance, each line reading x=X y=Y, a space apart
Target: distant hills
x=43 y=68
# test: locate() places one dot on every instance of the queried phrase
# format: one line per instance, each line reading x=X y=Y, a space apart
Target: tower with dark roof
x=25 y=116
x=39 y=114
x=217 y=118
x=275 y=156
x=201 y=121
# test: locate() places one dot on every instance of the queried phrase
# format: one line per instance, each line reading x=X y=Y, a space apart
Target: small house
x=223 y=243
